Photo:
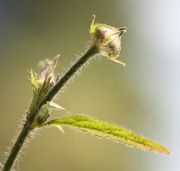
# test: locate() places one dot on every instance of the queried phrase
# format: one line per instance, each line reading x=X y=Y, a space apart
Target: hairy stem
x=15 y=149
x=31 y=115
x=77 y=65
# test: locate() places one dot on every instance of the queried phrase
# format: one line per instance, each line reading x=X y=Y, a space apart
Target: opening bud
x=107 y=40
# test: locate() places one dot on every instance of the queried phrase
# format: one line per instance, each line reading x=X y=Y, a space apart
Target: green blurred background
x=144 y=96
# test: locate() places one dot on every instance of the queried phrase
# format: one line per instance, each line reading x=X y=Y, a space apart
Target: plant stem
x=31 y=115
x=15 y=149
x=77 y=65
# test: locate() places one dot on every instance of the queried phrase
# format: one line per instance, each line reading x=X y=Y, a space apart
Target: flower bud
x=46 y=68
x=46 y=78
x=107 y=40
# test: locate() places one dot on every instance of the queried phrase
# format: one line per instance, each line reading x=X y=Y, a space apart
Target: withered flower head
x=46 y=68
x=107 y=40
x=46 y=77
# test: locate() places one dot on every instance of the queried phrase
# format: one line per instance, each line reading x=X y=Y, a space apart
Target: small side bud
x=43 y=114
x=107 y=40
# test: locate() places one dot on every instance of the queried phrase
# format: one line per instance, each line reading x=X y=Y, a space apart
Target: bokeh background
x=144 y=96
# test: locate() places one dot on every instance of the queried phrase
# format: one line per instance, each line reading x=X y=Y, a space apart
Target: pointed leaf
x=109 y=131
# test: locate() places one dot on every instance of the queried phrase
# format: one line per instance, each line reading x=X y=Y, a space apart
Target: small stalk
x=77 y=65
x=33 y=111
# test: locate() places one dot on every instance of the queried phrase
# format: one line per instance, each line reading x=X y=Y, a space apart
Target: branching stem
x=77 y=65
x=31 y=115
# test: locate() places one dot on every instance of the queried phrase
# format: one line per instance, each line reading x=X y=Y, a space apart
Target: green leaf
x=109 y=131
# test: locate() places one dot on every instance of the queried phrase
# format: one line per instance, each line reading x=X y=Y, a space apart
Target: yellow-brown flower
x=107 y=40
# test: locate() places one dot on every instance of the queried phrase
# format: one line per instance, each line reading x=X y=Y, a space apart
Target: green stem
x=34 y=111
x=77 y=65
x=15 y=149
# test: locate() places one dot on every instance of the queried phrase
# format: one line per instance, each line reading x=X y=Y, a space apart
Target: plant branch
x=77 y=65
x=34 y=109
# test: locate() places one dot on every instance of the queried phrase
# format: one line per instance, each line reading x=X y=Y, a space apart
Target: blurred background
x=144 y=96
